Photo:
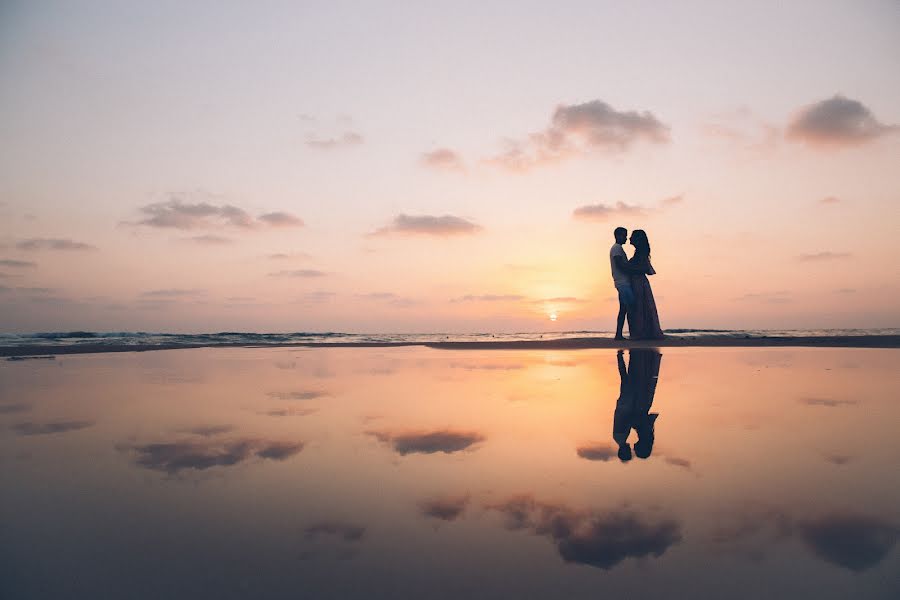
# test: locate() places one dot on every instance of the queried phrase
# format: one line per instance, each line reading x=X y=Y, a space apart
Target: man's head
x=621 y=235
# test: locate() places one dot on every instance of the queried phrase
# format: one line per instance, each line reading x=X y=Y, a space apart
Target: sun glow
x=552 y=316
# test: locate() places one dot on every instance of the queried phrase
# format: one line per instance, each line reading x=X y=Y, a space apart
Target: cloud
x=173 y=457
x=298 y=395
x=176 y=213
x=579 y=129
x=600 y=539
x=302 y=273
x=428 y=442
x=488 y=298
x=838 y=121
x=439 y=226
x=14 y=407
x=18 y=264
x=443 y=158
x=445 y=509
x=349 y=532
x=317 y=297
x=602 y=212
x=286 y=255
x=53 y=244
x=281 y=219
x=210 y=240
x=173 y=293
x=672 y=200
x=601 y=452
x=824 y=256
x=560 y=300
x=30 y=428
x=347 y=139
x=388 y=298
x=828 y=402
x=855 y=542
x=827 y=200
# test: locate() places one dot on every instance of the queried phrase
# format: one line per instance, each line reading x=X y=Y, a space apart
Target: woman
x=643 y=321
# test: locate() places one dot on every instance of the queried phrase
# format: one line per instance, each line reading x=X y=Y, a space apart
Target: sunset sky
x=424 y=167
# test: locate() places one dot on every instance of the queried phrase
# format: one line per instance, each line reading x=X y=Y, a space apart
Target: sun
x=552 y=316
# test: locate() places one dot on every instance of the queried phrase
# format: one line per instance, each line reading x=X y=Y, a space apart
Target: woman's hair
x=641 y=243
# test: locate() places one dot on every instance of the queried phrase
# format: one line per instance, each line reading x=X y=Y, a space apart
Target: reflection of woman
x=643 y=320
x=636 y=395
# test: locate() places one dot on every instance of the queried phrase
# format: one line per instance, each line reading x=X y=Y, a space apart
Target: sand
x=860 y=341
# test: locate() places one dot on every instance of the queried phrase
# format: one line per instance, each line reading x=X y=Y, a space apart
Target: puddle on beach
x=410 y=472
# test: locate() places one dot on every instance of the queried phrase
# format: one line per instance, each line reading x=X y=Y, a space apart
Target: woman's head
x=640 y=242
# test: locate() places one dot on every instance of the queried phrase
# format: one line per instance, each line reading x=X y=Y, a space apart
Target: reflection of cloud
x=428 y=442
x=298 y=395
x=30 y=428
x=443 y=158
x=438 y=226
x=851 y=541
x=830 y=403
x=53 y=244
x=173 y=457
x=348 y=532
x=14 y=407
x=17 y=264
x=487 y=366
x=290 y=412
x=838 y=459
x=596 y=538
x=837 y=121
x=209 y=430
x=578 y=129
x=445 y=509
x=824 y=256
x=602 y=452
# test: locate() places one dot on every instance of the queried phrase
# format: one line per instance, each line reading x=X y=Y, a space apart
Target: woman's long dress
x=643 y=320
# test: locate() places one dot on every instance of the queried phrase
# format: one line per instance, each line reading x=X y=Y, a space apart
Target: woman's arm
x=631 y=268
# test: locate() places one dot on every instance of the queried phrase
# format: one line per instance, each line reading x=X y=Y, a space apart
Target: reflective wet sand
x=401 y=472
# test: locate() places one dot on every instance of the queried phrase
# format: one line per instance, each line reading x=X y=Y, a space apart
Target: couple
x=635 y=296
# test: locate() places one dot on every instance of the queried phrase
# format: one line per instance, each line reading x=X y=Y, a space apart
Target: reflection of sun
x=553 y=316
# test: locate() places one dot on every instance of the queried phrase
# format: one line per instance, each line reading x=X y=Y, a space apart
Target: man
x=617 y=262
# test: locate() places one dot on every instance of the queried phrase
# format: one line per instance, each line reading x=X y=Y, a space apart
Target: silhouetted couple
x=636 y=394
x=635 y=296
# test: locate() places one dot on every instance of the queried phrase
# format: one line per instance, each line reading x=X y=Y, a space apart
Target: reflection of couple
x=635 y=296
x=635 y=399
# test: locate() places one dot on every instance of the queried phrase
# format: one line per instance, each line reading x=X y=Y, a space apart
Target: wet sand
x=859 y=341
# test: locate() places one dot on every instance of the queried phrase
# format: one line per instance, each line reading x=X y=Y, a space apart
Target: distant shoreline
x=850 y=341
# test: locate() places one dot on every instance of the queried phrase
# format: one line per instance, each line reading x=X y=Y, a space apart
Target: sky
x=459 y=167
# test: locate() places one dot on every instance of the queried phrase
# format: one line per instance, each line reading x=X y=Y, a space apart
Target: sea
x=232 y=338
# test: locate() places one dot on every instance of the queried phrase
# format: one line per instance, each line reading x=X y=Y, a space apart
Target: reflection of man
x=617 y=262
x=636 y=392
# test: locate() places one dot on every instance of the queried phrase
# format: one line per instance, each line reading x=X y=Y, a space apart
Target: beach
x=574 y=343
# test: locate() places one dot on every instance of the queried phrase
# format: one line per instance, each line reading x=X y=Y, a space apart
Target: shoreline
x=856 y=341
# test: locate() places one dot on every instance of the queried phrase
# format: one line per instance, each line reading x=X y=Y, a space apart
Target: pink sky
x=357 y=168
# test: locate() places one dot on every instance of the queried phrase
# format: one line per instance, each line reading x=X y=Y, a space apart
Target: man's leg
x=620 y=320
